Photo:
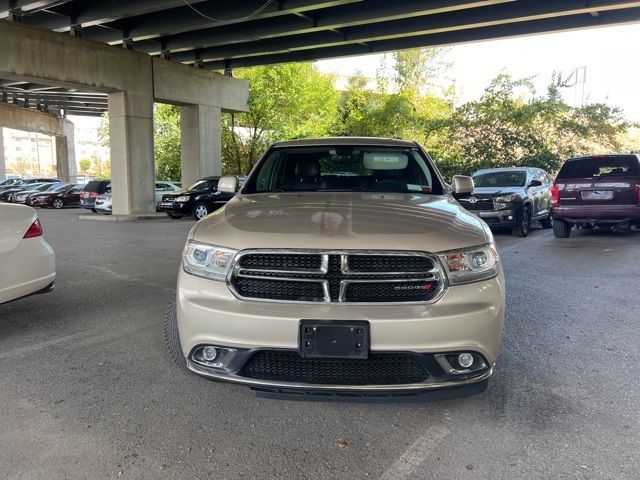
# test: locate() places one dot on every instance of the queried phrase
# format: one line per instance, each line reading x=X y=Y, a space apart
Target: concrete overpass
x=30 y=120
x=61 y=56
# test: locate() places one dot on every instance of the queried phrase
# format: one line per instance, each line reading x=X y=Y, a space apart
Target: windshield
x=500 y=179
x=62 y=188
x=343 y=168
x=50 y=187
x=201 y=185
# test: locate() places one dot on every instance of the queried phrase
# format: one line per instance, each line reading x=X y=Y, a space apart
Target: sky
x=611 y=56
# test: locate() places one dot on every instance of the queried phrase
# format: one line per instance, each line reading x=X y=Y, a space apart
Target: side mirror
x=228 y=184
x=462 y=185
x=535 y=183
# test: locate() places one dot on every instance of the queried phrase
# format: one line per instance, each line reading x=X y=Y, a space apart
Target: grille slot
x=378 y=369
x=481 y=204
x=267 y=288
x=415 y=291
x=389 y=263
x=270 y=261
x=353 y=276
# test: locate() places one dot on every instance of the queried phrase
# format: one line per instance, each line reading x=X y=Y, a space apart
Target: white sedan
x=27 y=262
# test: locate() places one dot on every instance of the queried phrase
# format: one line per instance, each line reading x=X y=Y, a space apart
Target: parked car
x=26 y=182
x=91 y=191
x=597 y=190
x=27 y=260
x=510 y=197
x=8 y=182
x=199 y=200
x=24 y=196
x=163 y=187
x=342 y=266
x=67 y=195
x=103 y=202
x=8 y=194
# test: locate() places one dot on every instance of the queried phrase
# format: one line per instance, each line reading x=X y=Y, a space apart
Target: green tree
x=85 y=165
x=286 y=101
x=166 y=141
x=502 y=128
x=406 y=103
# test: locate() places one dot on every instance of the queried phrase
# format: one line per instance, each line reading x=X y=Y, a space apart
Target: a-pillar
x=201 y=143
x=131 y=141
x=3 y=169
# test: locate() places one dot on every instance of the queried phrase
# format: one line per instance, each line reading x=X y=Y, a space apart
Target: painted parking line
x=411 y=459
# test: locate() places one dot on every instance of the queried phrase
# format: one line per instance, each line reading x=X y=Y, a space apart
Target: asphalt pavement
x=87 y=391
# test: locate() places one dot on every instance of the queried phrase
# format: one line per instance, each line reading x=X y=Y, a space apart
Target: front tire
x=522 y=230
x=172 y=336
x=58 y=203
x=561 y=229
x=200 y=211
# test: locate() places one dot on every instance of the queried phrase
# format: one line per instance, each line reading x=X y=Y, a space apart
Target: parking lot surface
x=87 y=390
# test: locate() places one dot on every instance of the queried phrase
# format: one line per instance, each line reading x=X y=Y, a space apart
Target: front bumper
x=467 y=318
x=498 y=218
x=179 y=208
x=280 y=386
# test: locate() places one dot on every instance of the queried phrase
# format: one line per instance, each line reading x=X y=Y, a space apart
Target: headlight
x=183 y=198
x=207 y=261
x=507 y=198
x=470 y=265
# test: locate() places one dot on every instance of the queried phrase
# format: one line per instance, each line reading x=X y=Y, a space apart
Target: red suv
x=598 y=190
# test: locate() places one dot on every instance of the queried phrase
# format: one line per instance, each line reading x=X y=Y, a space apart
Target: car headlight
x=507 y=198
x=208 y=261
x=183 y=198
x=470 y=265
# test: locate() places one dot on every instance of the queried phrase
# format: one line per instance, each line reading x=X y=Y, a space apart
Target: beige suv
x=343 y=267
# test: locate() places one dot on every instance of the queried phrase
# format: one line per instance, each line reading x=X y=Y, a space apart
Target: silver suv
x=343 y=267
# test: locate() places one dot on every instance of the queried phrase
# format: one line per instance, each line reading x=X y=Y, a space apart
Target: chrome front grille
x=337 y=276
x=474 y=203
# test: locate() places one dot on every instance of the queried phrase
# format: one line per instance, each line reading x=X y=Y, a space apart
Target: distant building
x=29 y=154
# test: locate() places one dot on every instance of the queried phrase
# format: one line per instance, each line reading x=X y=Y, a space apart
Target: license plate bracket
x=596 y=194
x=334 y=339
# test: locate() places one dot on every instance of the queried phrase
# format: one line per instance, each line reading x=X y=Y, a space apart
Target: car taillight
x=35 y=230
x=555 y=195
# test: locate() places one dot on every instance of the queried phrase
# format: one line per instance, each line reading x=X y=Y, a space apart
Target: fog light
x=465 y=360
x=210 y=354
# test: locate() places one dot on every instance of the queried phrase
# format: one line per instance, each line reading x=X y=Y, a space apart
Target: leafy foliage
x=509 y=125
x=286 y=101
x=166 y=141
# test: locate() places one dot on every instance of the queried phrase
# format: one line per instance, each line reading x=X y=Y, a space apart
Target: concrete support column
x=66 y=169
x=201 y=143
x=3 y=168
x=131 y=140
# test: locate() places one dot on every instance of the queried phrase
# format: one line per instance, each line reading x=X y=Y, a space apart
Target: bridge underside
x=85 y=57
x=222 y=35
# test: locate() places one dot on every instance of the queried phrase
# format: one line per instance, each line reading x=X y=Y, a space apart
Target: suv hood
x=342 y=220
x=496 y=191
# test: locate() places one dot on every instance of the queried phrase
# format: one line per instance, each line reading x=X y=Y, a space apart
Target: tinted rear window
x=596 y=167
x=96 y=186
